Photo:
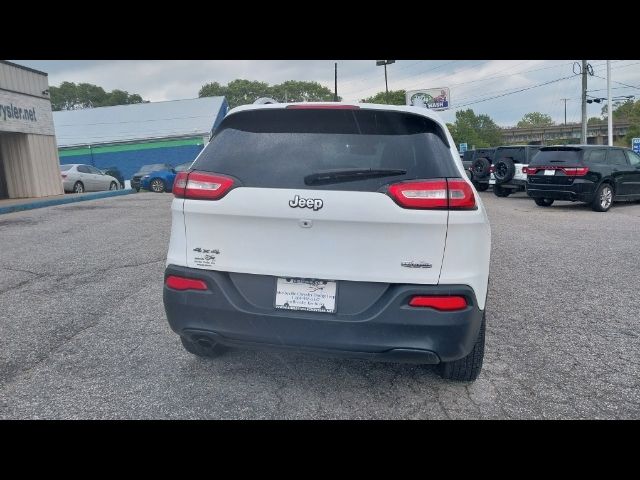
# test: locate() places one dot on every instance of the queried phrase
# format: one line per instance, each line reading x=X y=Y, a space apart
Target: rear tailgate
x=276 y=221
x=360 y=236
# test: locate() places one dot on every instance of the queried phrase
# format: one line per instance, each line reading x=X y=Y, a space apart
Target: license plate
x=306 y=294
x=549 y=172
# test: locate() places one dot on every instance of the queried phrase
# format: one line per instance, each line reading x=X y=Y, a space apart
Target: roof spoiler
x=265 y=100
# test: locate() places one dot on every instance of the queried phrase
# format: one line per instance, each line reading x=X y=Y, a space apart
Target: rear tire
x=603 y=198
x=113 y=186
x=78 y=187
x=468 y=368
x=544 y=202
x=482 y=187
x=201 y=349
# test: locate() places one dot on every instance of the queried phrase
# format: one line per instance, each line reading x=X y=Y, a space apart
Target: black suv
x=508 y=168
x=116 y=173
x=137 y=177
x=478 y=162
x=593 y=174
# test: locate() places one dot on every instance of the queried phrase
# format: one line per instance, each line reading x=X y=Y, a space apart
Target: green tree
x=69 y=96
x=478 y=130
x=627 y=111
x=595 y=121
x=298 y=91
x=535 y=119
x=396 y=97
x=242 y=92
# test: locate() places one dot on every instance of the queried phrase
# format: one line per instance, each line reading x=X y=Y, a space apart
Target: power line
x=511 y=93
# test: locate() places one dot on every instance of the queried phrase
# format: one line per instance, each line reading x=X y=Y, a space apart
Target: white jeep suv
x=348 y=230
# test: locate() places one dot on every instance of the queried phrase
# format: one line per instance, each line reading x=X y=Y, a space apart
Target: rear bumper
x=237 y=310
x=579 y=191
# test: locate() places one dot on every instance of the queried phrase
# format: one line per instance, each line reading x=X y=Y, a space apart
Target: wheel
x=157 y=185
x=603 y=198
x=78 y=187
x=468 y=368
x=504 y=171
x=137 y=189
x=544 y=202
x=482 y=187
x=480 y=167
x=499 y=191
x=113 y=186
x=203 y=348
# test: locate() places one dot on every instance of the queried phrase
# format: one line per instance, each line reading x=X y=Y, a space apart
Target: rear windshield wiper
x=337 y=175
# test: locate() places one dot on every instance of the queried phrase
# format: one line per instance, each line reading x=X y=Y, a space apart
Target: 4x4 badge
x=416 y=264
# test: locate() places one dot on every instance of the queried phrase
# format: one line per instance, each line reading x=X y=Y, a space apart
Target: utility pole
x=565 y=110
x=335 y=91
x=386 y=84
x=583 y=138
x=610 y=105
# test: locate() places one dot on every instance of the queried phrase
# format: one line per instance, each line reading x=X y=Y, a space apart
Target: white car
x=348 y=230
x=79 y=178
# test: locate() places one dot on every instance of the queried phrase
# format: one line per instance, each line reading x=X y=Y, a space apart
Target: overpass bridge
x=596 y=134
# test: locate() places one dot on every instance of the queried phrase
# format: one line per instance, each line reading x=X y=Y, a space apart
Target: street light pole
x=610 y=107
x=583 y=138
x=565 y=110
x=386 y=83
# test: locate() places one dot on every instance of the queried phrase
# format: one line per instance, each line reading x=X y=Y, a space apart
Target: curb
x=69 y=198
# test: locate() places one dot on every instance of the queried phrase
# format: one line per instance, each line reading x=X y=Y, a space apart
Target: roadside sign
x=433 y=98
x=635 y=145
x=463 y=147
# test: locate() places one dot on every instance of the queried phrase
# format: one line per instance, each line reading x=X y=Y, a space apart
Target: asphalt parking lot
x=83 y=332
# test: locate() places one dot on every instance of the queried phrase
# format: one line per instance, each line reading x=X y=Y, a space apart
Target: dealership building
x=28 y=151
x=129 y=136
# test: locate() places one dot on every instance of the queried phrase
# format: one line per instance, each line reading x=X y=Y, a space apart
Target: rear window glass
x=64 y=168
x=516 y=154
x=151 y=168
x=279 y=148
x=557 y=157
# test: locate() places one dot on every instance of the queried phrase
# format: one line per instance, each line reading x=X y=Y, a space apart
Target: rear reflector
x=434 y=194
x=201 y=186
x=444 y=303
x=184 y=283
x=310 y=106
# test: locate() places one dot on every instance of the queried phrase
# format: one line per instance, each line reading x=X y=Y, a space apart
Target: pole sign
x=433 y=98
x=463 y=147
x=635 y=145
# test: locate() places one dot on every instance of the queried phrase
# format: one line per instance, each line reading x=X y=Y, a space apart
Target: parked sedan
x=162 y=180
x=79 y=178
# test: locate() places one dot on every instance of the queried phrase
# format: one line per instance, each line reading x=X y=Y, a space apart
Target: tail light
x=201 y=186
x=184 y=283
x=568 y=171
x=492 y=169
x=434 y=194
x=575 y=171
x=439 y=302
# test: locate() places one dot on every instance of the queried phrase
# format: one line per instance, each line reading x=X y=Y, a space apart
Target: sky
x=469 y=80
